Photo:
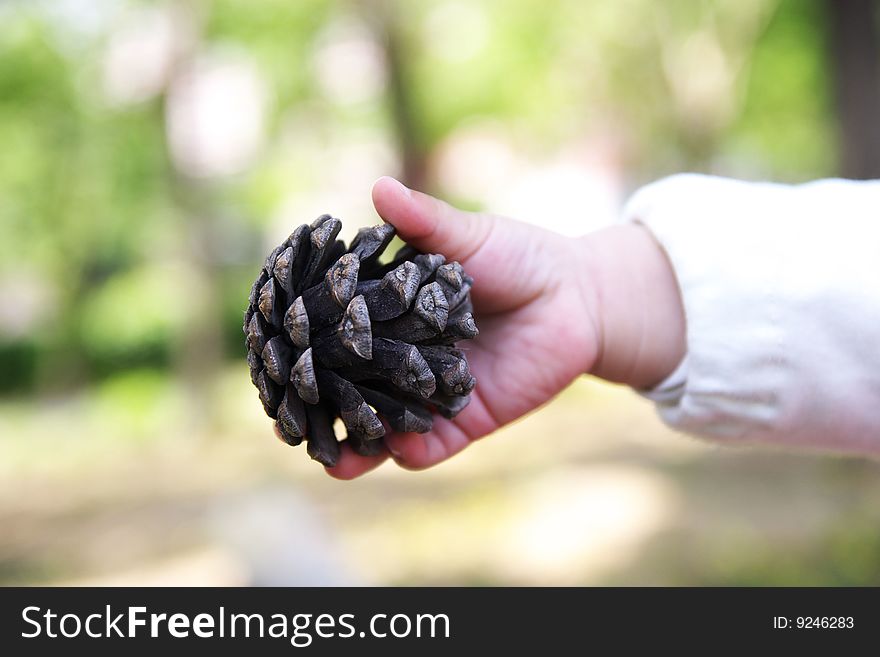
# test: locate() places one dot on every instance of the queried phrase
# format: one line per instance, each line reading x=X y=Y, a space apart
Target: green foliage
x=91 y=205
x=134 y=317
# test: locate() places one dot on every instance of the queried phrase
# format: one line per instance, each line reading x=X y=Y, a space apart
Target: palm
x=532 y=343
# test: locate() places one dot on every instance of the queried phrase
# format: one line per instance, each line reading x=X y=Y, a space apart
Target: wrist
x=639 y=313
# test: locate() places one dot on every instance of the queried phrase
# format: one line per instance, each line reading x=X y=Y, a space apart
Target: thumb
x=428 y=224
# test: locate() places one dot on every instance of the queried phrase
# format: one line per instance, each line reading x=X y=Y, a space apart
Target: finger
x=351 y=465
x=428 y=224
x=500 y=254
x=417 y=451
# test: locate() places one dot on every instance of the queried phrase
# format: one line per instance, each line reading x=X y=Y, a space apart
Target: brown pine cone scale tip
x=333 y=333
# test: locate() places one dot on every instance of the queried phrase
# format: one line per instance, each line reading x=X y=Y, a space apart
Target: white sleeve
x=781 y=291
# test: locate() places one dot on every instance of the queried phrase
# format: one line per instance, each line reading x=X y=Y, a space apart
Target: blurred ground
x=589 y=490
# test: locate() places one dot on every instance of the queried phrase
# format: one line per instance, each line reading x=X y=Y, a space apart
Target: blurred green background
x=154 y=152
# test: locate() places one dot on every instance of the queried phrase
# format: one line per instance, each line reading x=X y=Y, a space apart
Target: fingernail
x=403 y=188
x=395 y=453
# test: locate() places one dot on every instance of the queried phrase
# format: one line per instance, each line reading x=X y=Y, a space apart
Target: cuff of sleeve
x=669 y=391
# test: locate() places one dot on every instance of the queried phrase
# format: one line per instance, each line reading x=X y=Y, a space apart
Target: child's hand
x=542 y=306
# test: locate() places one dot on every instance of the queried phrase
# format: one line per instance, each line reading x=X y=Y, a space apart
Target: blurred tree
x=385 y=18
x=785 y=127
x=854 y=49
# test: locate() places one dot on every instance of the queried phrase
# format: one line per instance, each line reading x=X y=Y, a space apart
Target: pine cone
x=332 y=332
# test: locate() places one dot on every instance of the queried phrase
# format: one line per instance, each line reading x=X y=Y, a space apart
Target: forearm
x=641 y=318
x=779 y=286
